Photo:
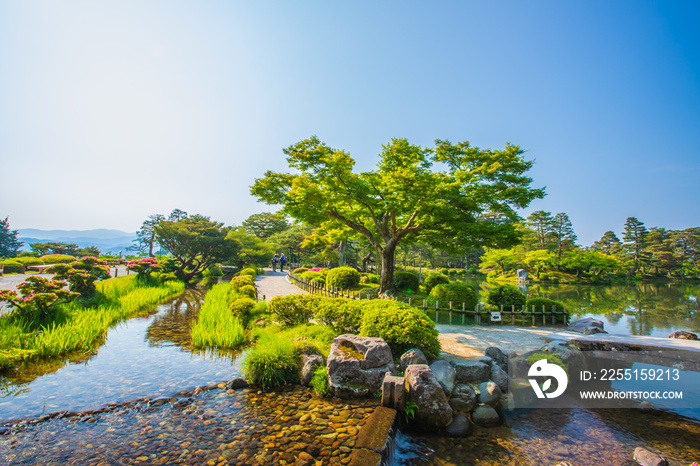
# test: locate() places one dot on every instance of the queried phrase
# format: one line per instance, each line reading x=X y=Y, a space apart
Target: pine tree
x=563 y=233
x=609 y=243
x=540 y=223
x=9 y=245
x=635 y=239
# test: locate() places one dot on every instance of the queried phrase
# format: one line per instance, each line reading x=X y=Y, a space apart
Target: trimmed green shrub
x=57 y=259
x=434 y=279
x=82 y=274
x=343 y=278
x=452 y=272
x=314 y=277
x=547 y=303
x=293 y=309
x=272 y=362
x=444 y=271
x=343 y=315
x=406 y=281
x=12 y=266
x=319 y=381
x=371 y=278
x=299 y=270
x=242 y=308
x=401 y=326
x=249 y=291
x=506 y=296
x=214 y=271
x=248 y=271
x=472 y=270
x=456 y=294
x=28 y=260
x=241 y=281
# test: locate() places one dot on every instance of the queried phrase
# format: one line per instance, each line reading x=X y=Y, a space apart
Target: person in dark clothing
x=275 y=260
x=283 y=260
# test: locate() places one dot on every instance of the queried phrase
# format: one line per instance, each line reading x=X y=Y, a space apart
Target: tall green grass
x=216 y=325
x=82 y=323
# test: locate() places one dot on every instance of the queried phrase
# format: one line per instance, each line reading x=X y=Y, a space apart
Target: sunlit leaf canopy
x=453 y=196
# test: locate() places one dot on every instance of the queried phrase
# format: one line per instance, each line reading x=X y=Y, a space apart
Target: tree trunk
x=387 y=277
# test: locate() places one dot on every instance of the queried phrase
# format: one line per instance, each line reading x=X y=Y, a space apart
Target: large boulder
x=412 y=356
x=498 y=356
x=433 y=411
x=499 y=376
x=486 y=416
x=489 y=394
x=461 y=426
x=646 y=458
x=683 y=335
x=357 y=365
x=469 y=371
x=589 y=323
x=445 y=375
x=309 y=364
x=463 y=399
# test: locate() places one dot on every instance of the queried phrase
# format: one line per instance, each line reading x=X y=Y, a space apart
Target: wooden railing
x=453 y=313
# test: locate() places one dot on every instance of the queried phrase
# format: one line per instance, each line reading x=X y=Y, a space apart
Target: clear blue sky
x=111 y=111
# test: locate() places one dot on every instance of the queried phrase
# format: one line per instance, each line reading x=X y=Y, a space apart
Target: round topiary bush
x=315 y=278
x=299 y=270
x=248 y=271
x=406 y=281
x=434 y=279
x=293 y=309
x=343 y=278
x=241 y=281
x=371 y=278
x=506 y=296
x=401 y=326
x=456 y=294
x=547 y=303
x=242 y=308
x=249 y=291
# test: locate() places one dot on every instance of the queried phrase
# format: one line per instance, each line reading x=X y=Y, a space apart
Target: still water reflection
x=142 y=357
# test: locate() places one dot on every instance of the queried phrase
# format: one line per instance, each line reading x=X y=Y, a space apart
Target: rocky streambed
x=209 y=427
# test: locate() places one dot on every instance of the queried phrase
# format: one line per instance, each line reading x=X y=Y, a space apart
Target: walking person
x=275 y=260
x=283 y=260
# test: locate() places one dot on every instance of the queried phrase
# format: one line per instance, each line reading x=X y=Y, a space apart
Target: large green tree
x=9 y=245
x=146 y=236
x=562 y=233
x=265 y=224
x=468 y=200
x=252 y=251
x=196 y=242
x=635 y=235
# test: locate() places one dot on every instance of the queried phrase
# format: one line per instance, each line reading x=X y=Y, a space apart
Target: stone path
x=275 y=284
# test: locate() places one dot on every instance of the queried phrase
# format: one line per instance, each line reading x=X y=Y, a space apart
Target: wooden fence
x=454 y=313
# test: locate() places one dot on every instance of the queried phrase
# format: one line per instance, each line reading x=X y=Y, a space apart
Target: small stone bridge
x=669 y=352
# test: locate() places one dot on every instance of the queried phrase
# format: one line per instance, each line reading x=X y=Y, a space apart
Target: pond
x=652 y=309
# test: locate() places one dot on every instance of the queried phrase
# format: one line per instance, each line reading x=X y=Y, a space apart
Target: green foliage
x=453 y=196
x=316 y=278
x=82 y=274
x=37 y=300
x=401 y=326
x=370 y=278
x=218 y=325
x=249 y=291
x=272 y=362
x=552 y=358
x=12 y=266
x=341 y=314
x=9 y=244
x=242 y=308
x=240 y=281
x=57 y=258
x=299 y=270
x=506 y=296
x=409 y=409
x=144 y=267
x=80 y=327
x=319 y=381
x=250 y=271
x=343 y=278
x=195 y=243
x=291 y=310
x=252 y=250
x=214 y=271
x=406 y=281
x=547 y=303
x=456 y=294
x=434 y=279
x=309 y=339
x=265 y=224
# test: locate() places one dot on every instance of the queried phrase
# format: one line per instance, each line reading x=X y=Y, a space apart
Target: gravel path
x=275 y=284
x=469 y=342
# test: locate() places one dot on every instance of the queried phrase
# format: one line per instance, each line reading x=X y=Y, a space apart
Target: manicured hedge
x=456 y=294
x=434 y=279
x=506 y=296
x=401 y=326
x=342 y=278
x=547 y=303
x=406 y=281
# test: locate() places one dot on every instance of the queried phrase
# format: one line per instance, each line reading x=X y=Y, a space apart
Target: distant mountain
x=107 y=241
